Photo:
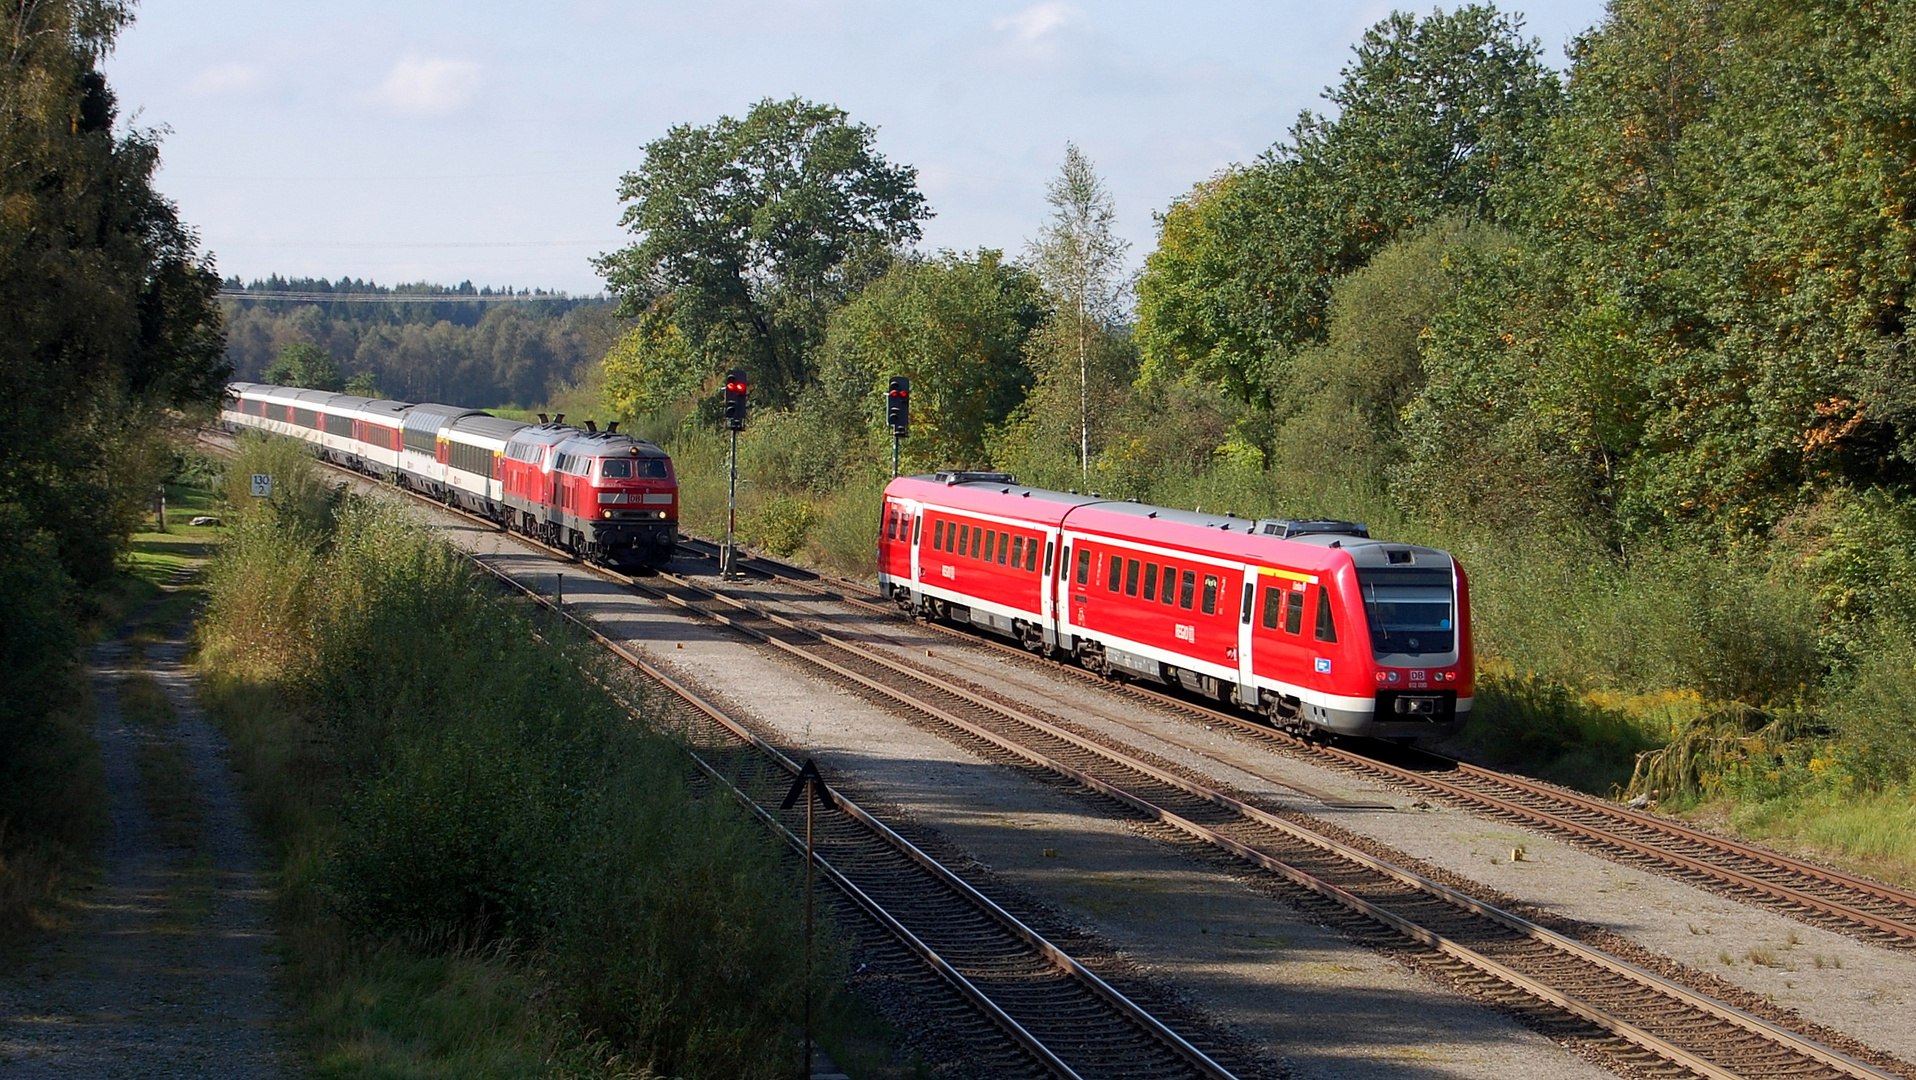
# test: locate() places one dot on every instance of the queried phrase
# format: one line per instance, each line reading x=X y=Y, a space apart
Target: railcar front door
x=1246 y=680
x=914 y=519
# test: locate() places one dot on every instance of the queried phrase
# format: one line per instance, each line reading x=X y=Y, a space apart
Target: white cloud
x=1032 y=25
x=225 y=79
x=429 y=85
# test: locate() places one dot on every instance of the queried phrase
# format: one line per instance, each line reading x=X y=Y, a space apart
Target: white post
x=729 y=558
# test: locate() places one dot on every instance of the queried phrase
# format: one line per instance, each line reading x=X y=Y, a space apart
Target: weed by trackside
x=485 y=864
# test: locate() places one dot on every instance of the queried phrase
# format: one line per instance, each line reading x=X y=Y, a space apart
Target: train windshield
x=627 y=468
x=1410 y=611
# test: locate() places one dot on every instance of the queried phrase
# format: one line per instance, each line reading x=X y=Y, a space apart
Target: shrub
x=52 y=783
x=301 y=497
x=1542 y=727
x=846 y=535
x=482 y=794
x=781 y=523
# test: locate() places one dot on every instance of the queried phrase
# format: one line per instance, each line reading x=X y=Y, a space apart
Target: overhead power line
x=401 y=298
x=411 y=244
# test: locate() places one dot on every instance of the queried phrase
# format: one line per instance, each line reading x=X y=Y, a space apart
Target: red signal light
x=735 y=391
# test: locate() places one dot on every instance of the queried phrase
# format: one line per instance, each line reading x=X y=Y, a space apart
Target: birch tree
x=1081 y=262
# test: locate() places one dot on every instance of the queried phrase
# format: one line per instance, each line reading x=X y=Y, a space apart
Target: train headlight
x=605 y=513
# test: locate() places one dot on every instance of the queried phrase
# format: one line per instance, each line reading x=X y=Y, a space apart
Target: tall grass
x=802 y=492
x=480 y=853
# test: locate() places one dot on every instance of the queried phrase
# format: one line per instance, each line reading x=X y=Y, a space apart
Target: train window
x=1117 y=569
x=1131 y=577
x=1187 y=590
x=938 y=535
x=964 y=539
x=917 y=524
x=1031 y=556
x=1084 y=566
x=1209 y=605
x=1294 y=612
x=616 y=467
x=1272 y=601
x=1326 y=626
x=1151 y=581
x=1170 y=584
x=1047 y=558
x=891 y=525
x=1004 y=542
x=991 y=543
x=1017 y=551
x=1250 y=594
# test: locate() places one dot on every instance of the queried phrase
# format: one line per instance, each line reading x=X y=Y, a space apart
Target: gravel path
x=170 y=975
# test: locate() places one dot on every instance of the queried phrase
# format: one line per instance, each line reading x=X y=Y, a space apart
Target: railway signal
x=735 y=390
x=898 y=415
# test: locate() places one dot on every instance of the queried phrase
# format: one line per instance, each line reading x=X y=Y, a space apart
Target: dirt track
x=170 y=972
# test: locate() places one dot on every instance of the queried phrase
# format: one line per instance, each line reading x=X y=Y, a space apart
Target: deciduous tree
x=957 y=327
x=107 y=311
x=304 y=364
x=755 y=229
x=1081 y=261
x=1430 y=118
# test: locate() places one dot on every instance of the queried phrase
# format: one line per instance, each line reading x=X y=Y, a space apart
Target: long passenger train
x=1313 y=623
x=602 y=495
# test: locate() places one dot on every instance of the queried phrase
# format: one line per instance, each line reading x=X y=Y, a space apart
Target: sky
x=484 y=140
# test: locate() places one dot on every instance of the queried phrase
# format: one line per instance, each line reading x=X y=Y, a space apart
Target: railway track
x=1652 y=1023
x=1067 y=1021
x=1026 y=1006
x=1871 y=911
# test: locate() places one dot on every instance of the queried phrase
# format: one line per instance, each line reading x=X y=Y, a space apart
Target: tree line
x=1632 y=337
x=464 y=350
x=108 y=327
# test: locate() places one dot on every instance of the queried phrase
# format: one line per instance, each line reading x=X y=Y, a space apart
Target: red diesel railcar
x=1313 y=623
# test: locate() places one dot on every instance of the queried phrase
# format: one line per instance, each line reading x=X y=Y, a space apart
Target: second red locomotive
x=602 y=495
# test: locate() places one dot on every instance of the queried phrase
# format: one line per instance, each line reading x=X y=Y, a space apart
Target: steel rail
x=1150 y=1025
x=970 y=990
x=1836 y=1060
x=1113 y=997
x=1902 y=930
x=1770 y=1033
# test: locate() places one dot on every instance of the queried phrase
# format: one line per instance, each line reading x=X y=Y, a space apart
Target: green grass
x=40 y=872
x=43 y=870
x=368 y=1009
x=153 y=559
x=1869 y=832
x=485 y=864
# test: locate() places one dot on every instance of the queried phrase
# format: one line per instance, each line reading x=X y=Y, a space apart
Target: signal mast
x=735 y=391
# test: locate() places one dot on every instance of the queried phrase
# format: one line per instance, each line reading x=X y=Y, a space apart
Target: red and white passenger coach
x=602 y=495
x=1313 y=623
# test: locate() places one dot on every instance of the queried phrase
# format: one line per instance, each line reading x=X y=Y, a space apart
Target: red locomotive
x=1312 y=623
x=603 y=495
